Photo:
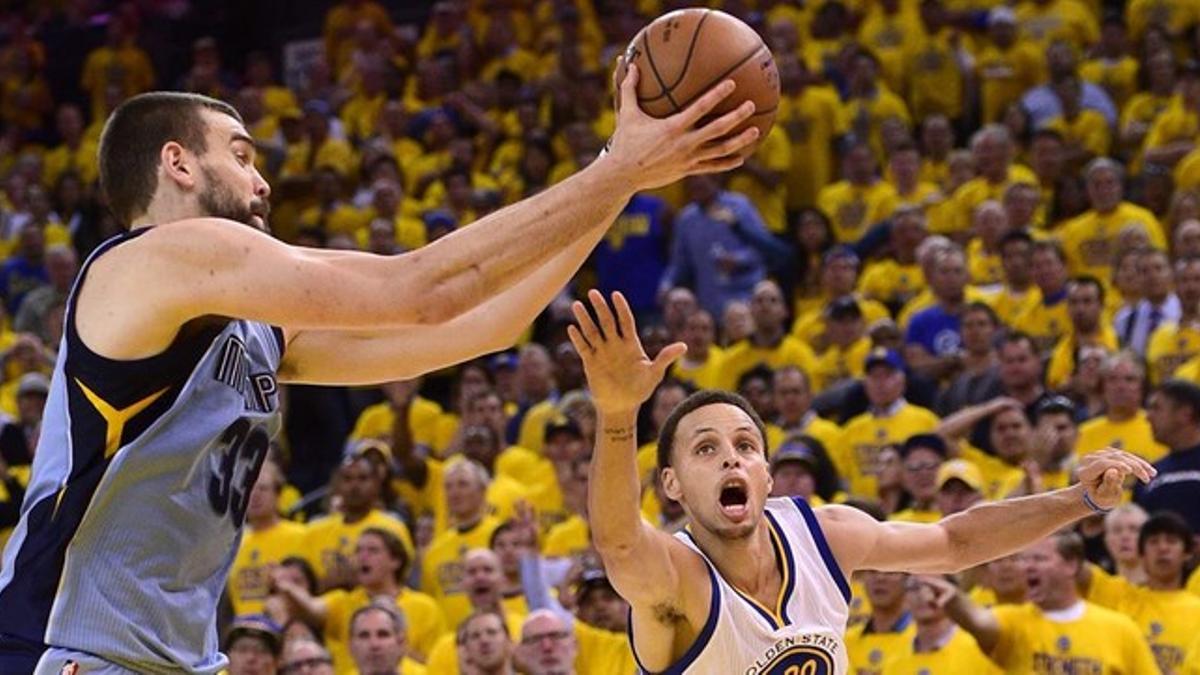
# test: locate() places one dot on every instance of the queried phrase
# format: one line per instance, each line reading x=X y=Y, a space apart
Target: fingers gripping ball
x=683 y=54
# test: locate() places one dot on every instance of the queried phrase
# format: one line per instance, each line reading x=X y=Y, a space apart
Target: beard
x=219 y=201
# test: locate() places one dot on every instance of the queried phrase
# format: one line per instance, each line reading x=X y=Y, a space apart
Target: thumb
x=1110 y=483
x=667 y=356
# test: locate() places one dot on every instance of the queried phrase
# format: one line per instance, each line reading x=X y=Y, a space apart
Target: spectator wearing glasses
x=304 y=657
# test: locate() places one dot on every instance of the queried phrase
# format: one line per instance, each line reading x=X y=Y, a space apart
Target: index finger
x=705 y=104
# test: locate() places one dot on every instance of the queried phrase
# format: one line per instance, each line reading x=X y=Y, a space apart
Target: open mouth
x=734 y=498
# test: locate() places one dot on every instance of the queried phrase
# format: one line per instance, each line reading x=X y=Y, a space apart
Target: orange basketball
x=683 y=54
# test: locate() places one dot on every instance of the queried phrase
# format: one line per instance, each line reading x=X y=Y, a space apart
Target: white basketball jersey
x=802 y=633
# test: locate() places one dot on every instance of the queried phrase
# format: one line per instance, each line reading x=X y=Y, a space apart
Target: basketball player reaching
x=165 y=395
x=757 y=586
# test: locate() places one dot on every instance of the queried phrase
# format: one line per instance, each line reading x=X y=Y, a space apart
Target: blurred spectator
x=253 y=644
x=1174 y=415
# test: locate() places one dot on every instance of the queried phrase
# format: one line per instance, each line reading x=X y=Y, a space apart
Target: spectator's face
x=535 y=373
x=251 y=655
x=922 y=602
x=905 y=167
x=991 y=224
x=665 y=400
x=1006 y=576
x=955 y=496
x=231 y=186
x=937 y=137
x=600 y=606
x=1049 y=272
x=375 y=562
x=767 y=307
x=1016 y=258
x=991 y=156
x=885 y=589
x=884 y=385
x=69 y=122
x=758 y=392
x=264 y=494
x=1060 y=427
x=1010 y=435
x=485 y=643
x=1003 y=33
x=359 y=486
x=679 y=305
x=1155 y=270
x=483 y=578
x=978 y=330
x=1121 y=536
x=308 y=658
x=908 y=231
x=860 y=165
x=920 y=473
x=1187 y=285
x=950 y=277
x=509 y=546
x=793 y=479
x=699 y=333
x=30 y=407
x=1123 y=388
x=792 y=397
x=840 y=276
x=464 y=494
x=549 y=648
x=1083 y=306
x=569 y=366
x=813 y=233
x=1048 y=575
x=890 y=472
x=488 y=411
x=1165 y=556
x=1162 y=71
x=1104 y=189
x=1187 y=239
x=375 y=644
x=737 y=321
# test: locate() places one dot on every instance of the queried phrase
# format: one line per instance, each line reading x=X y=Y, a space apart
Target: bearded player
x=756 y=585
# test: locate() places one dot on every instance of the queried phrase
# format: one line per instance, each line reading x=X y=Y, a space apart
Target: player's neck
x=166 y=209
x=731 y=556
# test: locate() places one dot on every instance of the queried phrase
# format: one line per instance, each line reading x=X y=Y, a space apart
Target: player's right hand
x=656 y=152
x=619 y=373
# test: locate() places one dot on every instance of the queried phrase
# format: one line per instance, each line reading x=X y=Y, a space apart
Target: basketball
x=684 y=53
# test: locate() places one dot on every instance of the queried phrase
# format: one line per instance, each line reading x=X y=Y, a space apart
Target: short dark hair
x=1166 y=522
x=394 y=546
x=1052 y=246
x=1070 y=546
x=1018 y=337
x=306 y=569
x=393 y=612
x=1182 y=392
x=461 y=637
x=134 y=136
x=983 y=308
x=1016 y=235
x=701 y=399
x=1088 y=280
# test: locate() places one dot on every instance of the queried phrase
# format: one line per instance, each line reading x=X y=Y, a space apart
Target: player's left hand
x=1103 y=475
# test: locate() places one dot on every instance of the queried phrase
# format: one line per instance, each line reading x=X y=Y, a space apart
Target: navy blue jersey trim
x=791 y=570
x=279 y=341
x=693 y=652
x=818 y=535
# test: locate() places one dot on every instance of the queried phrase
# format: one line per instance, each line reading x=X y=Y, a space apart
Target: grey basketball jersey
x=140 y=484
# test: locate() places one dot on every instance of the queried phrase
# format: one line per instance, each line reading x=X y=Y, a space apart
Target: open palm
x=619 y=373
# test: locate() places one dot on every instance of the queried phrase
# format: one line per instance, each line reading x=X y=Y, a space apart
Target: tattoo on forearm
x=618 y=434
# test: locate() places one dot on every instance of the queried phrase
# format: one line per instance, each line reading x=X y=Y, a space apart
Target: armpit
x=667 y=614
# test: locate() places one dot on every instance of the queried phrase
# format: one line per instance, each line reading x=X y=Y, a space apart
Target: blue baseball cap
x=880 y=355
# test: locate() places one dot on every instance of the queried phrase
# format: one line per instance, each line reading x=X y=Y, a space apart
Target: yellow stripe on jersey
x=114 y=418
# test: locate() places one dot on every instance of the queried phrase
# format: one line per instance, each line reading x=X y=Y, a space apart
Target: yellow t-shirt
x=1119 y=78
x=441 y=570
x=1166 y=619
x=774 y=153
x=1132 y=435
x=1177 y=16
x=1062 y=359
x=526 y=467
x=978 y=190
x=916 y=516
x=837 y=364
x=424 y=421
x=700 y=375
x=1101 y=641
x=250 y=576
x=422 y=615
x=1089 y=241
x=502 y=495
x=127 y=67
x=1045 y=322
x=890 y=281
x=360 y=115
x=1089 y=130
x=602 y=652
x=1171 y=346
x=1177 y=122
x=854 y=209
x=1009 y=304
x=812 y=119
x=985 y=268
x=866 y=435
x=889 y=37
x=869 y=652
x=999 y=477
x=744 y=356
x=960 y=654
x=1068 y=20
x=331 y=537
x=935 y=84
x=1005 y=75
x=83 y=160
x=868 y=114
x=567 y=538
x=810 y=326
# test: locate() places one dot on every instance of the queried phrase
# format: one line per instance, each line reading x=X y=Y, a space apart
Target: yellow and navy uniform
x=1100 y=641
x=865 y=436
x=424 y=619
x=959 y=654
x=1132 y=435
x=745 y=356
x=1171 y=346
x=1167 y=619
x=250 y=576
x=329 y=542
x=870 y=650
x=892 y=282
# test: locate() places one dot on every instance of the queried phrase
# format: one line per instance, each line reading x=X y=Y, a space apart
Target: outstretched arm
x=207 y=267
x=981 y=533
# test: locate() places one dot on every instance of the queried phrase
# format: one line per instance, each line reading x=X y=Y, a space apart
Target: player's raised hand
x=657 y=152
x=619 y=373
x=1103 y=475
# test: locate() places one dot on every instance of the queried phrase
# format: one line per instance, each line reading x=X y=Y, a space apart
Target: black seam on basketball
x=691 y=47
x=716 y=80
x=768 y=111
x=650 y=59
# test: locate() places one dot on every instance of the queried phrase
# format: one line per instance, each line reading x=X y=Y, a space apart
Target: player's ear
x=176 y=163
x=670 y=483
